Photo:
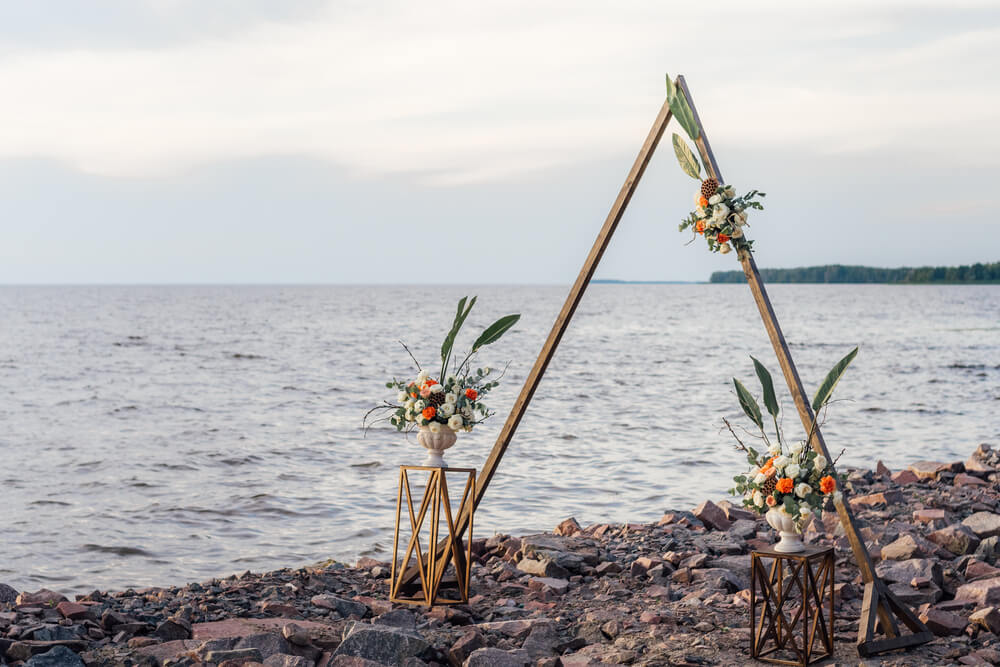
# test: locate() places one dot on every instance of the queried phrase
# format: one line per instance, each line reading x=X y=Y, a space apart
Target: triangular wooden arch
x=879 y=602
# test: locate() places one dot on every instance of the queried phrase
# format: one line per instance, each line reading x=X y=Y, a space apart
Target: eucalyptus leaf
x=681 y=110
x=830 y=382
x=748 y=403
x=686 y=158
x=767 y=384
x=493 y=332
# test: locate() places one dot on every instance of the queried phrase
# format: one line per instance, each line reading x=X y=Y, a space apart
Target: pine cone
x=436 y=399
x=708 y=187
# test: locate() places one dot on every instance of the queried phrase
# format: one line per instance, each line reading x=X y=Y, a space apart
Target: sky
x=304 y=141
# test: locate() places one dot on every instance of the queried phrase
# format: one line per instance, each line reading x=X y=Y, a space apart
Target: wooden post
x=883 y=597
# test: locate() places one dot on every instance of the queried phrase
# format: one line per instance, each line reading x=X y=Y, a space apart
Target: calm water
x=155 y=435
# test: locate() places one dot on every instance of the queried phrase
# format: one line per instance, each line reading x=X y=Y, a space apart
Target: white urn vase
x=436 y=443
x=789 y=528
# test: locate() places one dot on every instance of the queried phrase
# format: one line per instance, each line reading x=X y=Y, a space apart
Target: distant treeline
x=838 y=273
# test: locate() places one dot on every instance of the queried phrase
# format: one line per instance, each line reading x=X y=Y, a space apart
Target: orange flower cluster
x=471 y=394
x=785 y=485
x=827 y=484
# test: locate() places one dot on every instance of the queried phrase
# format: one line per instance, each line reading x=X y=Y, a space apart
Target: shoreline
x=672 y=592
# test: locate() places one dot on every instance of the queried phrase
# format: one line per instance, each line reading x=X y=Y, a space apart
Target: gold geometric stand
x=792 y=593
x=443 y=574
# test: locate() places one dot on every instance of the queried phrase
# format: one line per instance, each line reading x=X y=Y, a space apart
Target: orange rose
x=771 y=502
x=827 y=484
x=767 y=466
x=702 y=202
x=430 y=382
x=721 y=238
x=429 y=412
x=471 y=394
x=785 y=485
x=700 y=226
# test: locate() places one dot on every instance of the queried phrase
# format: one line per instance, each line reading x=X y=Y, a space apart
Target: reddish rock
x=911 y=546
x=956 y=538
x=608 y=567
x=322 y=634
x=568 y=527
x=547 y=583
x=878 y=499
x=734 y=513
x=904 y=477
x=40 y=598
x=163 y=652
x=929 y=515
x=961 y=479
x=976 y=569
x=881 y=470
x=931 y=469
x=650 y=618
x=365 y=563
x=983 y=592
x=463 y=648
x=712 y=516
x=378 y=607
x=987 y=618
x=279 y=609
x=72 y=610
x=943 y=623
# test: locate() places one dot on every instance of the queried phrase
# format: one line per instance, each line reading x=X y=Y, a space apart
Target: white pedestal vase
x=436 y=443
x=789 y=528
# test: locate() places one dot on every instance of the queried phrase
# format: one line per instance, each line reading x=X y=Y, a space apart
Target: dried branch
x=411 y=356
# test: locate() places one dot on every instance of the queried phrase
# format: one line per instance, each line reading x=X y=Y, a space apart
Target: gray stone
x=494 y=657
x=956 y=538
x=983 y=592
x=712 y=516
x=283 y=660
x=983 y=524
x=267 y=643
x=397 y=618
x=541 y=642
x=296 y=634
x=915 y=597
x=55 y=633
x=343 y=607
x=171 y=630
x=468 y=643
x=7 y=594
x=59 y=656
x=717 y=577
x=352 y=661
x=903 y=572
x=543 y=568
x=988 y=550
x=234 y=654
x=743 y=528
x=381 y=644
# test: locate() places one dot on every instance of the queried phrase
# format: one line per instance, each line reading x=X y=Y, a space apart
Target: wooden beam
x=800 y=398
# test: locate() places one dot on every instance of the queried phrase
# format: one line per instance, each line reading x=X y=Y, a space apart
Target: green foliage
x=767 y=384
x=681 y=110
x=689 y=164
x=493 y=332
x=449 y=340
x=830 y=381
x=839 y=273
x=748 y=403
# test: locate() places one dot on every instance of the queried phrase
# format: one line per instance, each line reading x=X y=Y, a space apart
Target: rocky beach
x=674 y=592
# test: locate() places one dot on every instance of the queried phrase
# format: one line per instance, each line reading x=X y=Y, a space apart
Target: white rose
x=774 y=449
x=792 y=470
x=437 y=389
x=805 y=511
x=419 y=406
x=455 y=423
x=760 y=478
x=435 y=427
x=700 y=212
x=803 y=490
x=729 y=191
x=758 y=499
x=724 y=248
x=401 y=397
x=446 y=409
x=715 y=199
x=720 y=212
x=796 y=448
x=781 y=461
x=408 y=404
x=422 y=377
x=450 y=398
x=819 y=463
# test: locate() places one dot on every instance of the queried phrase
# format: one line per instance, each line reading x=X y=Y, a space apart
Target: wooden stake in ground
x=878 y=600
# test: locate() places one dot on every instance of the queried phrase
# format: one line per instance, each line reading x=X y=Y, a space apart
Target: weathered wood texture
x=886 y=602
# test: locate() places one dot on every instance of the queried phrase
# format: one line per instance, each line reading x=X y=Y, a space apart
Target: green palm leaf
x=681 y=110
x=832 y=378
x=493 y=332
x=686 y=158
x=767 y=384
x=748 y=403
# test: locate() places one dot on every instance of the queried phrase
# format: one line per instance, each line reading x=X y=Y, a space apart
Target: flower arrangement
x=719 y=215
x=788 y=477
x=455 y=401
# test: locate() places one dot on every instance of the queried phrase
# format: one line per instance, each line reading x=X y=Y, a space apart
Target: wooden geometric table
x=443 y=575
x=793 y=588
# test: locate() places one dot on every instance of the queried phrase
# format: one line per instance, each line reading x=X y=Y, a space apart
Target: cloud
x=456 y=92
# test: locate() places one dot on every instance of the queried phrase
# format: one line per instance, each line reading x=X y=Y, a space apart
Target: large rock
x=382 y=644
x=903 y=572
x=912 y=546
x=983 y=524
x=40 y=598
x=494 y=657
x=543 y=568
x=882 y=499
x=931 y=469
x=345 y=608
x=983 y=592
x=541 y=642
x=712 y=516
x=7 y=594
x=987 y=618
x=568 y=527
x=943 y=623
x=956 y=538
x=60 y=656
x=267 y=643
x=468 y=643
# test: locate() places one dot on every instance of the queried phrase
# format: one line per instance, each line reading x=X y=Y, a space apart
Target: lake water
x=158 y=435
